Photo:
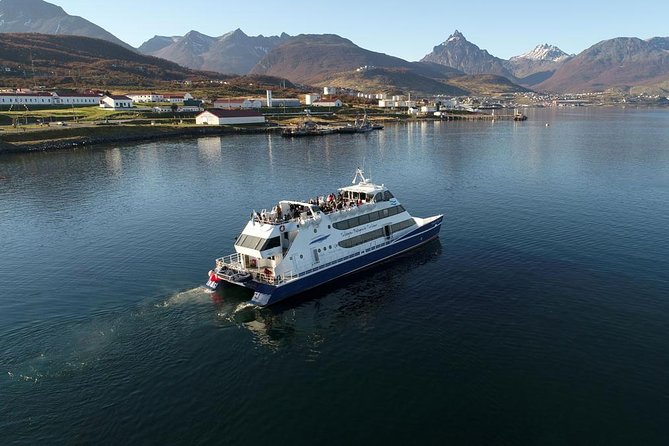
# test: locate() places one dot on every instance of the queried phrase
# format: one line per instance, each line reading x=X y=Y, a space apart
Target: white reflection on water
x=210 y=149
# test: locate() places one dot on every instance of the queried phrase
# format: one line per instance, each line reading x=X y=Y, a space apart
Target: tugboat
x=362 y=125
x=518 y=116
x=306 y=128
x=299 y=245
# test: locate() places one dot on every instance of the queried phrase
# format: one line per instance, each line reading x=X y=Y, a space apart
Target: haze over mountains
x=455 y=66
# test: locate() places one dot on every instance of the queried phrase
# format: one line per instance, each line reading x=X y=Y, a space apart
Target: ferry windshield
x=257 y=243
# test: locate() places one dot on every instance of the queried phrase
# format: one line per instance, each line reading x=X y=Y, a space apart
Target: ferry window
x=315 y=230
x=378 y=197
x=387 y=195
x=301 y=256
x=385 y=213
x=364 y=219
x=272 y=243
x=259 y=243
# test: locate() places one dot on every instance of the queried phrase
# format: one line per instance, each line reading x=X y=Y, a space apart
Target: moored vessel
x=299 y=245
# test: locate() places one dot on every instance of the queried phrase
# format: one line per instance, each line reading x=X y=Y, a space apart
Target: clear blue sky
x=407 y=29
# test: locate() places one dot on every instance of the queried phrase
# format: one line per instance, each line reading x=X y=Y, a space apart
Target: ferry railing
x=234 y=262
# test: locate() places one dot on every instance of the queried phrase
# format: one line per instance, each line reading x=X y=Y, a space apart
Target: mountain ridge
x=38 y=16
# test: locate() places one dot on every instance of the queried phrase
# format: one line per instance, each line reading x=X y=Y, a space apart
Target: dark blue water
x=540 y=316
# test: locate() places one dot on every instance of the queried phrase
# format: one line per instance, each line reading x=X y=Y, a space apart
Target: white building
x=189 y=109
x=392 y=103
x=311 y=98
x=146 y=97
x=329 y=90
x=27 y=99
x=175 y=98
x=229 y=117
x=116 y=102
x=327 y=103
x=230 y=103
x=76 y=99
x=270 y=101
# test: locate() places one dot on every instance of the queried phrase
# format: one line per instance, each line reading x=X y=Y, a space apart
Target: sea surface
x=539 y=317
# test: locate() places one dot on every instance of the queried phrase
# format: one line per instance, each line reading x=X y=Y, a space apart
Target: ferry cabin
x=297 y=238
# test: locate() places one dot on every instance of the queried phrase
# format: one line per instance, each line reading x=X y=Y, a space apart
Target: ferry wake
x=299 y=245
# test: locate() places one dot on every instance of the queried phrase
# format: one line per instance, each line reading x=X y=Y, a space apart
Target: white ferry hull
x=266 y=294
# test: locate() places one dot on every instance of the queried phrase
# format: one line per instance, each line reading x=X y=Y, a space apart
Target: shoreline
x=74 y=137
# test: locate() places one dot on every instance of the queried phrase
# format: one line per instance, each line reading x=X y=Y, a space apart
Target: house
x=116 y=102
x=327 y=103
x=26 y=99
x=146 y=97
x=76 y=99
x=229 y=117
x=175 y=98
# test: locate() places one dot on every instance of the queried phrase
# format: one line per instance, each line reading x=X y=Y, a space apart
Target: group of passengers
x=333 y=202
x=326 y=204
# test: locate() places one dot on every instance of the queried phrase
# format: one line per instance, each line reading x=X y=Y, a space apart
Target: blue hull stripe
x=268 y=294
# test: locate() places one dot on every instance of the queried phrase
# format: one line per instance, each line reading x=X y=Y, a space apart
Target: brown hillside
x=56 y=60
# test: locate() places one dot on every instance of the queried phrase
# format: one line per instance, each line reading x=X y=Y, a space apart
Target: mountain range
x=231 y=53
x=455 y=66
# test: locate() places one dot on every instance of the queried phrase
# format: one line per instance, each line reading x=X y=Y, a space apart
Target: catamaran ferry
x=299 y=245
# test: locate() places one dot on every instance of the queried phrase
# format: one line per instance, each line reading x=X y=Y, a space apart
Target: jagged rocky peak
x=192 y=34
x=238 y=33
x=544 y=52
x=456 y=36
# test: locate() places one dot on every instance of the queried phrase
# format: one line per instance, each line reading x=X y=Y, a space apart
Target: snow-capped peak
x=457 y=35
x=544 y=52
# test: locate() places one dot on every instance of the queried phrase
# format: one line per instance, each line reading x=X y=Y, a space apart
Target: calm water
x=540 y=316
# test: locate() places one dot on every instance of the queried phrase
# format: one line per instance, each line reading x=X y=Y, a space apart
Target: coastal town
x=25 y=112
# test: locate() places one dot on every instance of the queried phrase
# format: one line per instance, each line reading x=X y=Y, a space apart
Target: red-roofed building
x=327 y=103
x=229 y=117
